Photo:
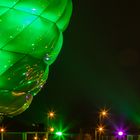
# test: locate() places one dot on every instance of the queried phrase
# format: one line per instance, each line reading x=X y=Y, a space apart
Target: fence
x=92 y=137
x=45 y=136
x=24 y=136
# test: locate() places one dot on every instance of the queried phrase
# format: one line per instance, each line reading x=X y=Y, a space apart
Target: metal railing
x=23 y=136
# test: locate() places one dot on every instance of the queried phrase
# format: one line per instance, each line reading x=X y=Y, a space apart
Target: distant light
x=100 y=129
x=51 y=114
x=104 y=112
x=59 y=133
x=51 y=129
x=35 y=138
x=120 y=133
x=2 y=129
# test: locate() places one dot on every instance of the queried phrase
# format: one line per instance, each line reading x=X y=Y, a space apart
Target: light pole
x=102 y=114
x=50 y=116
x=100 y=129
x=2 y=130
x=50 y=129
x=95 y=134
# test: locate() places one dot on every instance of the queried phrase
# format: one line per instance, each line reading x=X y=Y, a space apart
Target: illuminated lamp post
x=2 y=131
x=50 y=115
x=99 y=130
x=120 y=134
x=102 y=114
x=51 y=129
x=36 y=136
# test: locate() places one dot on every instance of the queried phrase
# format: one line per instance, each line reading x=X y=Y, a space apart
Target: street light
x=101 y=129
x=2 y=131
x=51 y=129
x=102 y=114
x=120 y=133
x=51 y=114
x=35 y=138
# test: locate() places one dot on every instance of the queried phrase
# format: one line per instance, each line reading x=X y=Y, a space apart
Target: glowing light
x=59 y=133
x=120 y=133
x=51 y=114
x=2 y=130
x=34 y=9
x=51 y=129
x=101 y=128
x=36 y=29
x=35 y=138
x=104 y=113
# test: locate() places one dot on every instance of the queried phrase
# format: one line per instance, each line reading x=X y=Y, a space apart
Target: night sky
x=99 y=66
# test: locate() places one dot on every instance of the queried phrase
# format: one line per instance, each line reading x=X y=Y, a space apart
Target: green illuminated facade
x=30 y=40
